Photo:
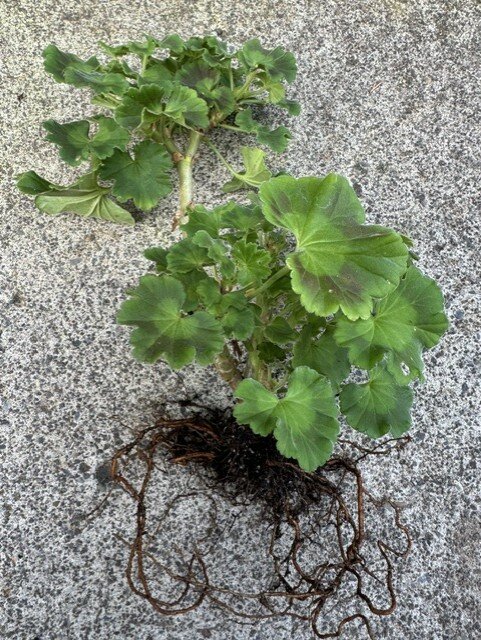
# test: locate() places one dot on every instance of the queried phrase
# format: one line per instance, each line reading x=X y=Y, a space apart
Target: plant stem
x=224 y=363
x=184 y=169
x=274 y=278
x=220 y=156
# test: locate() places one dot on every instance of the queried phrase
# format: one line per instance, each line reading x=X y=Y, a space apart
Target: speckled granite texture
x=390 y=90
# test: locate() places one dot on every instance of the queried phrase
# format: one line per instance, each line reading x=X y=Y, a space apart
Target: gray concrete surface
x=390 y=90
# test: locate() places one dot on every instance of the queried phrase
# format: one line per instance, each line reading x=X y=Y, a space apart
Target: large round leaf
x=339 y=262
x=402 y=324
x=164 y=330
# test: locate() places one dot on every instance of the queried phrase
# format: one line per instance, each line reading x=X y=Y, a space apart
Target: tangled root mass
x=318 y=545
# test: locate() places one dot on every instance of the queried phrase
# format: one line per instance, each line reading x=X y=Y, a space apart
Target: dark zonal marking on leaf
x=403 y=323
x=339 y=262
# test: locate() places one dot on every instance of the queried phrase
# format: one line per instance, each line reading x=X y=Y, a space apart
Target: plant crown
x=306 y=310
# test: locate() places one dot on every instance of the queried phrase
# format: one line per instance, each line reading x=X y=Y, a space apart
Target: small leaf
x=255 y=172
x=292 y=107
x=140 y=49
x=279 y=331
x=173 y=42
x=277 y=139
x=186 y=108
x=378 y=406
x=157 y=255
x=156 y=72
x=179 y=103
x=201 y=218
x=304 y=422
x=217 y=251
x=186 y=256
x=252 y=263
x=163 y=330
x=338 y=262
x=197 y=73
x=56 y=62
x=409 y=319
x=238 y=321
x=322 y=354
x=278 y=63
x=31 y=183
x=144 y=178
x=269 y=352
x=108 y=137
x=82 y=75
x=71 y=138
x=244 y=218
x=74 y=142
x=85 y=198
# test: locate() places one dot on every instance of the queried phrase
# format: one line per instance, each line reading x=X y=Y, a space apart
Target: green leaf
x=338 y=262
x=186 y=108
x=156 y=72
x=163 y=330
x=173 y=42
x=277 y=139
x=279 y=331
x=304 y=422
x=221 y=98
x=403 y=323
x=197 y=73
x=378 y=406
x=74 y=142
x=85 y=198
x=108 y=137
x=191 y=281
x=322 y=354
x=56 y=62
x=217 y=251
x=278 y=63
x=255 y=172
x=31 y=183
x=244 y=218
x=144 y=178
x=157 y=255
x=245 y=121
x=201 y=219
x=68 y=68
x=237 y=315
x=292 y=107
x=140 y=49
x=185 y=256
x=82 y=75
x=270 y=352
x=252 y=263
x=176 y=102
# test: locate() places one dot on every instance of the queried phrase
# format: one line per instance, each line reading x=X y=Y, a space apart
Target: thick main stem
x=184 y=169
x=224 y=363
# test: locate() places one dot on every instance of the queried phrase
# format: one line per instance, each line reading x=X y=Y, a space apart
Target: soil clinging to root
x=319 y=546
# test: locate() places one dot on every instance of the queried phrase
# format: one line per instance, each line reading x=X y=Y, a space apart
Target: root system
x=319 y=549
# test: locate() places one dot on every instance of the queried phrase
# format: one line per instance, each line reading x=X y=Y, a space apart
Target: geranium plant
x=306 y=311
x=286 y=294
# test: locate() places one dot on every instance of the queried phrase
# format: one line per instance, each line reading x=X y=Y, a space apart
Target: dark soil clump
x=320 y=515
